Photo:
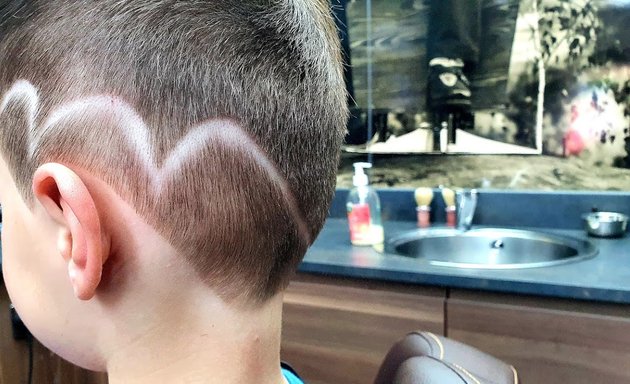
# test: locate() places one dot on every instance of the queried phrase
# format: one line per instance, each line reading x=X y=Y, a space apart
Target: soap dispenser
x=364 y=210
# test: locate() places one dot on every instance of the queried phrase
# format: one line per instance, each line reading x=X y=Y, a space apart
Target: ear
x=66 y=199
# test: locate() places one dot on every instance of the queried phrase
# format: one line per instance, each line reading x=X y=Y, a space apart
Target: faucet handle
x=466 y=205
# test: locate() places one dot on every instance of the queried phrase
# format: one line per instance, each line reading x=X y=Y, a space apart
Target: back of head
x=220 y=122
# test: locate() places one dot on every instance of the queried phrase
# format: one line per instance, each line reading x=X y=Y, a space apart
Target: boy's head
x=198 y=139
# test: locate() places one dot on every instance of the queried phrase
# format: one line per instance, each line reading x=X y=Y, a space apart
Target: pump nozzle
x=360 y=179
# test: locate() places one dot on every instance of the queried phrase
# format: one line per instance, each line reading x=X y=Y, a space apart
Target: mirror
x=546 y=77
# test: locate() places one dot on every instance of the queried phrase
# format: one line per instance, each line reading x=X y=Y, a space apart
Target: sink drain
x=497 y=244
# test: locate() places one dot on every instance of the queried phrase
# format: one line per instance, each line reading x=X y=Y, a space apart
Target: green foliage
x=568 y=32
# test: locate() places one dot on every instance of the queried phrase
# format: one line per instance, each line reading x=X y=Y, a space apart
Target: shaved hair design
x=220 y=122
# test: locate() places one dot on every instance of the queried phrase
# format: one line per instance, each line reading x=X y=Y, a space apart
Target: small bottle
x=364 y=210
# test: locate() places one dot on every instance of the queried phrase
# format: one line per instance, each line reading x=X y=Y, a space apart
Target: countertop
x=604 y=278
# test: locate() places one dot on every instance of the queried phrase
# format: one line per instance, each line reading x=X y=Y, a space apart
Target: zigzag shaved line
x=135 y=131
x=130 y=125
x=23 y=90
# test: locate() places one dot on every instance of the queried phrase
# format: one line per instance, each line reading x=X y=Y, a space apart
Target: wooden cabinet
x=338 y=330
x=47 y=367
x=548 y=341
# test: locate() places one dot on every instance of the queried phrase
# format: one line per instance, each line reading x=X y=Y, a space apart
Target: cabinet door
x=47 y=367
x=547 y=344
x=338 y=330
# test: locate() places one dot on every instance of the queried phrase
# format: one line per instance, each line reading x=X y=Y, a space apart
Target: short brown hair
x=264 y=75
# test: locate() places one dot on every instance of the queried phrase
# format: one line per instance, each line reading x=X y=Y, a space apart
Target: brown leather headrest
x=425 y=358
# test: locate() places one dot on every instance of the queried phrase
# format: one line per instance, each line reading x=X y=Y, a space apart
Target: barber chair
x=425 y=358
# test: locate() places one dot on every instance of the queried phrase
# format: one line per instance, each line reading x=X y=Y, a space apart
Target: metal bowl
x=605 y=224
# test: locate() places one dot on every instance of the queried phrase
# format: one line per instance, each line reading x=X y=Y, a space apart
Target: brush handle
x=424 y=216
x=451 y=216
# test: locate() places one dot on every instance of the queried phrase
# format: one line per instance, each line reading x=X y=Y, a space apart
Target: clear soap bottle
x=364 y=210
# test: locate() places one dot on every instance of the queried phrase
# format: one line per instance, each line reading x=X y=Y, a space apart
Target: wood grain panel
x=339 y=330
x=13 y=365
x=545 y=345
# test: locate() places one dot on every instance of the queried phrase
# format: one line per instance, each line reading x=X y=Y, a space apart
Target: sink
x=490 y=248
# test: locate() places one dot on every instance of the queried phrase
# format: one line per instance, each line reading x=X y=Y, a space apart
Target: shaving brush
x=423 y=196
x=449 y=200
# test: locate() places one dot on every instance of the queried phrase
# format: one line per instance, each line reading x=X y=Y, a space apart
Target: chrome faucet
x=466 y=205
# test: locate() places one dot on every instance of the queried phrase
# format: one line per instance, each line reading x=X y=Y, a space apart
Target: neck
x=209 y=343
x=163 y=324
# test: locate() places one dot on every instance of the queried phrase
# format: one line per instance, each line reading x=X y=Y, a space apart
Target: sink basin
x=490 y=248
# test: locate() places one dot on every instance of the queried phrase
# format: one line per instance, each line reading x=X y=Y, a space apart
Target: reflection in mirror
x=494 y=77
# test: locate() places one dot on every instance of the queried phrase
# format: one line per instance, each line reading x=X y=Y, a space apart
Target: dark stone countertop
x=604 y=278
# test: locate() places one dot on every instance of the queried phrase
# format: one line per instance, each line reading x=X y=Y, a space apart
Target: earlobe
x=66 y=199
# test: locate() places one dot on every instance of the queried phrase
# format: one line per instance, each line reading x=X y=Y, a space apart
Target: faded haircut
x=247 y=97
